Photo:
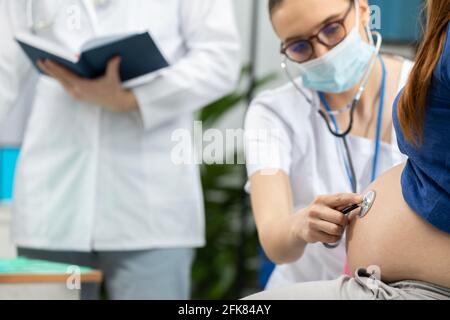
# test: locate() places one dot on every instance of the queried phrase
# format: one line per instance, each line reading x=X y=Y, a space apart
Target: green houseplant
x=229 y=262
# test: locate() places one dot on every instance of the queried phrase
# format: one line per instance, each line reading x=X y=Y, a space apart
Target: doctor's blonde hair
x=413 y=102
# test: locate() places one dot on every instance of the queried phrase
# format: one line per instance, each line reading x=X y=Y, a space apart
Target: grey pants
x=144 y=275
x=361 y=287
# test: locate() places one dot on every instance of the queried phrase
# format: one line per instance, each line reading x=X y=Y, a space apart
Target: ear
x=364 y=11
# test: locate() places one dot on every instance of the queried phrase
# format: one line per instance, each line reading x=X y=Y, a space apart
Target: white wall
x=268 y=44
x=268 y=57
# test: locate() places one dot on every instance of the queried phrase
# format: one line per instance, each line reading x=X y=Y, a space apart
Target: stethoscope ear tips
x=369 y=200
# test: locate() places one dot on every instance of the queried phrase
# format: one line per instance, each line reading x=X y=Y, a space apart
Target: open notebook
x=140 y=55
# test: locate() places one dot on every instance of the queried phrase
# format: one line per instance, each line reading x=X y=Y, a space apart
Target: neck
x=370 y=94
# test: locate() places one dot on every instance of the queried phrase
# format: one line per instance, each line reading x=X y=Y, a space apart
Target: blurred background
x=232 y=263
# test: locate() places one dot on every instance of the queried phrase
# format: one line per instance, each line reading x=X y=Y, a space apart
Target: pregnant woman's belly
x=397 y=240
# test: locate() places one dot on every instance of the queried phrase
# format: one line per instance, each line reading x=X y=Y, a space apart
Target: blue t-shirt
x=426 y=178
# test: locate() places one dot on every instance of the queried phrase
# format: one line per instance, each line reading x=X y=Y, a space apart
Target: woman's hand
x=283 y=234
x=323 y=220
x=106 y=91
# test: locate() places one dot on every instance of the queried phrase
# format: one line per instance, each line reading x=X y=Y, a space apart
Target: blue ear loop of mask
x=369 y=198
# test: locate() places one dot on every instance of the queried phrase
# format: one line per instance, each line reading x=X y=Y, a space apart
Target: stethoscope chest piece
x=369 y=200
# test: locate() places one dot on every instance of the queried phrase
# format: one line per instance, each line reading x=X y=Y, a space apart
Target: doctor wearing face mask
x=95 y=184
x=328 y=134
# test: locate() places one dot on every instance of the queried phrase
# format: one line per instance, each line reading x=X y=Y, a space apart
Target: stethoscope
x=349 y=163
x=370 y=197
x=38 y=25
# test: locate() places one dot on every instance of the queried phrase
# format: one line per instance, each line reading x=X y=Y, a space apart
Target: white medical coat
x=89 y=179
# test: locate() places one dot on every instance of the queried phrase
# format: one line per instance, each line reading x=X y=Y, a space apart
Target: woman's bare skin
x=397 y=240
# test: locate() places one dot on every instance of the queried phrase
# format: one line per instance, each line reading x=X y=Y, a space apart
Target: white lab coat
x=89 y=179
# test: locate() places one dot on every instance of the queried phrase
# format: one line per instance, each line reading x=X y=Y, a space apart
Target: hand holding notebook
x=106 y=91
x=139 y=54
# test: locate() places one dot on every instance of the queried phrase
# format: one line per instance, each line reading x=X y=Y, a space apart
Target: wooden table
x=23 y=279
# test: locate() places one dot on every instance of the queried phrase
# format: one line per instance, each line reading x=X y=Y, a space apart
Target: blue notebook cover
x=140 y=55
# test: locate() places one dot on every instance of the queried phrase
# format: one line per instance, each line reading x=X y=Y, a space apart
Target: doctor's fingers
x=328 y=227
x=74 y=84
x=73 y=90
x=67 y=86
x=61 y=72
x=354 y=214
x=113 y=68
x=323 y=237
x=325 y=213
x=47 y=69
x=339 y=200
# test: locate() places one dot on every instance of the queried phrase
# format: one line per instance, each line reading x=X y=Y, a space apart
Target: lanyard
x=347 y=161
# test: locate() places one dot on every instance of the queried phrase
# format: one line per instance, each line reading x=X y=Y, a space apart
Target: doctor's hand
x=323 y=220
x=106 y=91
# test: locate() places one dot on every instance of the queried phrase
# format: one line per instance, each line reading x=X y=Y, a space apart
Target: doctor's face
x=295 y=20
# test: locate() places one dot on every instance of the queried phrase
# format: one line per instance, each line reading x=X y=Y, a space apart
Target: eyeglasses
x=302 y=50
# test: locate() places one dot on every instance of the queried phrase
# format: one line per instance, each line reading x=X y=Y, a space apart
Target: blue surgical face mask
x=342 y=67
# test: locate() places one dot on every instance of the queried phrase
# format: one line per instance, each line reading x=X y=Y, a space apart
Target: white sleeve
x=14 y=65
x=209 y=70
x=268 y=145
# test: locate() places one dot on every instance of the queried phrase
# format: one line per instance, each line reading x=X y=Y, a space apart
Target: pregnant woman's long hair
x=413 y=102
